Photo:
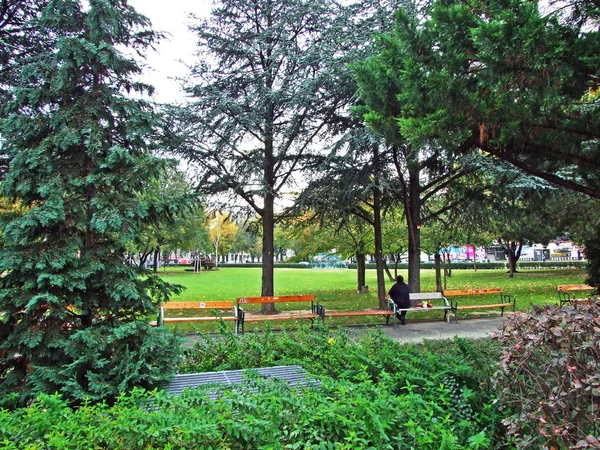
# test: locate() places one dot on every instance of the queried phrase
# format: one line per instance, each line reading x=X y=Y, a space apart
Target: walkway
x=467 y=328
x=418 y=331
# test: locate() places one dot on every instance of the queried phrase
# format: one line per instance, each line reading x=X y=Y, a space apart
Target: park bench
x=294 y=376
x=387 y=313
x=316 y=311
x=438 y=303
x=216 y=308
x=442 y=304
x=568 y=293
x=504 y=300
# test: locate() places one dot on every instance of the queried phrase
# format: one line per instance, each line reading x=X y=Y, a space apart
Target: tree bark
x=438 y=272
x=155 y=262
x=381 y=293
x=268 y=287
x=360 y=270
x=387 y=271
x=513 y=252
x=413 y=217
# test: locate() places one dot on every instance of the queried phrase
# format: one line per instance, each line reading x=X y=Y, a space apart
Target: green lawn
x=336 y=289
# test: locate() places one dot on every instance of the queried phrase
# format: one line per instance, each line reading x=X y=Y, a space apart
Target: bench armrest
x=392 y=306
x=319 y=310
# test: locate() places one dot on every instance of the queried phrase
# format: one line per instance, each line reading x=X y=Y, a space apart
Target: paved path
x=418 y=331
x=467 y=328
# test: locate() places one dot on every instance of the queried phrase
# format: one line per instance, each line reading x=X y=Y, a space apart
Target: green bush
x=463 y=366
x=336 y=415
x=549 y=382
x=371 y=393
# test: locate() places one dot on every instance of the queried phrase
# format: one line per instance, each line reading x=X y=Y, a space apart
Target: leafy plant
x=549 y=381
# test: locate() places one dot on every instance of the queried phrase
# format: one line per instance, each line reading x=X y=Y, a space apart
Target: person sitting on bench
x=399 y=293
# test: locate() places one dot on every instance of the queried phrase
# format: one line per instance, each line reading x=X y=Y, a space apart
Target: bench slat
x=574 y=287
x=280 y=317
x=457 y=292
x=491 y=305
x=294 y=376
x=197 y=319
x=378 y=312
x=433 y=308
x=426 y=296
x=198 y=305
x=276 y=299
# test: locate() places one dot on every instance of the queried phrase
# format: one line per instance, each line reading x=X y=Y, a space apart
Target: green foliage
x=447 y=374
x=80 y=154
x=357 y=408
x=592 y=250
x=549 y=383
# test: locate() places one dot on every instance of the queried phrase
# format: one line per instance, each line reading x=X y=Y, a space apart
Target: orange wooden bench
x=216 y=308
x=567 y=293
x=504 y=300
x=316 y=311
x=387 y=313
x=442 y=304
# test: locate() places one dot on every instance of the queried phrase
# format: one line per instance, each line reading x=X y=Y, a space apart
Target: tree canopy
x=74 y=314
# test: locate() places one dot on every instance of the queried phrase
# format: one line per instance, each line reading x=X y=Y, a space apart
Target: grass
x=336 y=289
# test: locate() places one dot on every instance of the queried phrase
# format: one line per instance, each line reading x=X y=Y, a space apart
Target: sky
x=172 y=18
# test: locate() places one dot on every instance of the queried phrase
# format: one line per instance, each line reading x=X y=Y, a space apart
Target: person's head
x=399 y=279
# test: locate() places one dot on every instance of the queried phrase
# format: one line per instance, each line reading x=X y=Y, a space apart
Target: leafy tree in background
x=222 y=232
x=263 y=96
x=512 y=80
x=74 y=314
x=515 y=82
x=350 y=188
x=395 y=238
x=306 y=236
x=176 y=218
x=424 y=171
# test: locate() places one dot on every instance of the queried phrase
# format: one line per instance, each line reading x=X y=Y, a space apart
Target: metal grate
x=294 y=376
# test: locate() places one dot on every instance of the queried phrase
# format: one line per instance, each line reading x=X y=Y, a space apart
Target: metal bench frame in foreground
x=294 y=376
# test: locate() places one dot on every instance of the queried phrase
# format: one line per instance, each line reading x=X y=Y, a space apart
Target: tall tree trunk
x=387 y=271
x=360 y=271
x=474 y=258
x=381 y=292
x=268 y=287
x=413 y=216
x=156 y=256
x=437 y=258
x=445 y=269
x=144 y=257
x=513 y=251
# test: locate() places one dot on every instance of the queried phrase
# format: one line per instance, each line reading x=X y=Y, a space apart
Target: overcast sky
x=172 y=18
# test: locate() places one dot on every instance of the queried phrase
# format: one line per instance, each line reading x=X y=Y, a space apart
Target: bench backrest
x=426 y=296
x=574 y=287
x=198 y=305
x=278 y=299
x=459 y=292
x=419 y=297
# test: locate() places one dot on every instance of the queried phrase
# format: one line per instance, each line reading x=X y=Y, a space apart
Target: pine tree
x=264 y=96
x=74 y=315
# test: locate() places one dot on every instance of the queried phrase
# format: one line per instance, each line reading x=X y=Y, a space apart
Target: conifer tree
x=74 y=315
x=265 y=93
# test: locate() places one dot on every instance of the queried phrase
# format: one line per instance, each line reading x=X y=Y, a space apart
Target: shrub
x=549 y=381
x=454 y=375
x=372 y=393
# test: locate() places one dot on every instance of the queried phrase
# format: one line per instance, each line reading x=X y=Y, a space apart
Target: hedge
x=503 y=265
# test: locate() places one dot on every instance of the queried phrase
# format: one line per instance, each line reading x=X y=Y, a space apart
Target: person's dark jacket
x=399 y=293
